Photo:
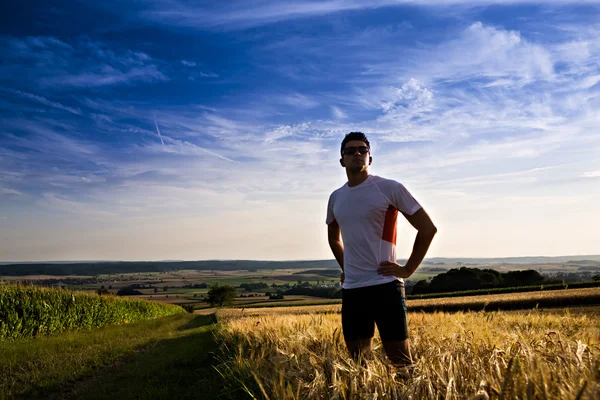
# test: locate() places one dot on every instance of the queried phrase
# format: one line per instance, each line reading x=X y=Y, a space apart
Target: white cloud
x=70 y=206
x=10 y=192
x=488 y=53
x=411 y=96
x=86 y=63
x=43 y=100
x=106 y=76
x=278 y=133
x=208 y=74
x=249 y=14
x=296 y=100
x=338 y=113
x=46 y=140
x=588 y=82
x=591 y=174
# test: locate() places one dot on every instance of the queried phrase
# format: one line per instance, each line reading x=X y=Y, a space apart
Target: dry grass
x=299 y=353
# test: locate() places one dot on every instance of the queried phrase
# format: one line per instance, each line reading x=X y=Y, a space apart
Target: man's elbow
x=429 y=231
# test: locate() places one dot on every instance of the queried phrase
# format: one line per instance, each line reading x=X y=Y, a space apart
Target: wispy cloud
x=247 y=14
x=84 y=63
x=107 y=76
x=42 y=137
x=42 y=100
x=338 y=113
x=297 y=100
x=591 y=174
x=158 y=130
x=10 y=192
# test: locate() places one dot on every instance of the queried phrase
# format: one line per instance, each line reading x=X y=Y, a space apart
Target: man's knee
x=360 y=346
x=398 y=352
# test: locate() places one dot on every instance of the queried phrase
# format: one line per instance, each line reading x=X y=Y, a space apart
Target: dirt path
x=179 y=367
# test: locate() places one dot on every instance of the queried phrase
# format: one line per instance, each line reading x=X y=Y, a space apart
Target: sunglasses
x=352 y=150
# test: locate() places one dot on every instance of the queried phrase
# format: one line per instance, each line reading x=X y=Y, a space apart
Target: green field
x=29 y=311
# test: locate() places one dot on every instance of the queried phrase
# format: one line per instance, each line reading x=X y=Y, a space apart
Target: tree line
x=464 y=278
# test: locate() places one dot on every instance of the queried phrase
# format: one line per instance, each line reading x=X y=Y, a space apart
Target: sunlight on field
x=298 y=353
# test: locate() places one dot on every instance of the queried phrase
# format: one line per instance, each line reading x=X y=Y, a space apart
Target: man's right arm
x=335 y=242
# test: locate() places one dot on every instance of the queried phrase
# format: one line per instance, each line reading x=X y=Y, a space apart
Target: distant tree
x=522 y=278
x=102 y=287
x=596 y=278
x=155 y=290
x=128 y=291
x=420 y=287
x=276 y=296
x=109 y=287
x=254 y=285
x=221 y=295
x=202 y=285
x=165 y=288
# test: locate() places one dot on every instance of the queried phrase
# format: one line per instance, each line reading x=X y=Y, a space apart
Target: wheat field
x=299 y=353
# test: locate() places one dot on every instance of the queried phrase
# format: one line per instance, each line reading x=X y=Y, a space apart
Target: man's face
x=356 y=156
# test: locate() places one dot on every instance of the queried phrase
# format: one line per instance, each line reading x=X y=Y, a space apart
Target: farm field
x=299 y=353
x=188 y=286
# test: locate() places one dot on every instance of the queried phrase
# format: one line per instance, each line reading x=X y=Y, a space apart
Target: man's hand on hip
x=388 y=268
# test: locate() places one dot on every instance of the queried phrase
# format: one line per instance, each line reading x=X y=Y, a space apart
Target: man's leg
x=358 y=324
x=392 y=323
x=360 y=347
x=398 y=352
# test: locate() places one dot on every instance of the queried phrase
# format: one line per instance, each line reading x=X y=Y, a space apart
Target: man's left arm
x=426 y=230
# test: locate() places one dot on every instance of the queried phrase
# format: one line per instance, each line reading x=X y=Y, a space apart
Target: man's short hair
x=354 y=136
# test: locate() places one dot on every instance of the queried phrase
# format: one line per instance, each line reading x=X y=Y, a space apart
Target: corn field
x=29 y=311
x=466 y=355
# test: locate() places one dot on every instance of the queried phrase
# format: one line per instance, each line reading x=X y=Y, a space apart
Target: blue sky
x=151 y=130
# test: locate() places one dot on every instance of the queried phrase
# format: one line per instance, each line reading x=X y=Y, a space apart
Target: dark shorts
x=383 y=305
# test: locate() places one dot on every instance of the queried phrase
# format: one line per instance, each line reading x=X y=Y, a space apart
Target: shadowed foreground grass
x=168 y=357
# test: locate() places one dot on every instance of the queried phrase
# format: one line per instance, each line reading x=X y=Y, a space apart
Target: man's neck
x=355 y=179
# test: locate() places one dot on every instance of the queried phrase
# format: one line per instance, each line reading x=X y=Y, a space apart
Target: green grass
x=109 y=362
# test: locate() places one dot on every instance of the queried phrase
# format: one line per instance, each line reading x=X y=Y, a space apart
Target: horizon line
x=276 y=261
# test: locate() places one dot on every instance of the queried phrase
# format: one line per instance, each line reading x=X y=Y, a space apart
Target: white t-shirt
x=367 y=215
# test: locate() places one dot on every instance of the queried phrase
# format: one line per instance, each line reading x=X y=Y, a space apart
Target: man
x=364 y=212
